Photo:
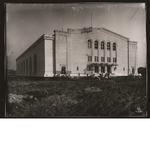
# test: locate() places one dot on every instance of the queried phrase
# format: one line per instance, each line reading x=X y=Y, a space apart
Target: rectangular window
x=102 y=69
x=102 y=59
x=114 y=59
x=96 y=69
x=89 y=68
x=108 y=59
x=77 y=68
x=96 y=58
x=89 y=58
x=123 y=69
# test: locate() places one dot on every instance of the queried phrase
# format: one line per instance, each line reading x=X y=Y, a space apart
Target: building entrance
x=133 y=71
x=63 y=70
x=96 y=69
x=108 y=69
x=103 y=69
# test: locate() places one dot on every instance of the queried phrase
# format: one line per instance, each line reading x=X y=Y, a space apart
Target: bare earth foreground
x=76 y=97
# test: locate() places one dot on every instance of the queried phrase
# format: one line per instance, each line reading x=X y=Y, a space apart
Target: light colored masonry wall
x=38 y=49
x=79 y=50
x=62 y=50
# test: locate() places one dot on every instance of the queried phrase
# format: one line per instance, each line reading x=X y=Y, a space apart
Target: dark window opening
x=102 y=59
x=89 y=58
x=35 y=64
x=102 y=45
x=96 y=58
x=102 y=69
x=133 y=70
x=96 y=45
x=114 y=46
x=26 y=66
x=114 y=59
x=30 y=66
x=89 y=44
x=108 y=59
x=77 y=68
x=96 y=69
x=63 y=70
x=108 y=46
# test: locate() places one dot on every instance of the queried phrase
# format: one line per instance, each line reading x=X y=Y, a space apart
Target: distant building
x=79 y=51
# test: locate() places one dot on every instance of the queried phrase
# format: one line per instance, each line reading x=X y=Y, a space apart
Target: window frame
x=89 y=58
x=102 y=59
x=108 y=45
x=96 y=44
x=89 y=44
x=108 y=59
x=102 y=45
x=96 y=58
x=114 y=59
x=114 y=46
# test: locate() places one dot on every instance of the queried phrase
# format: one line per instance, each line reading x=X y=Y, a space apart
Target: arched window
x=114 y=46
x=89 y=44
x=30 y=66
x=35 y=64
x=21 y=67
x=96 y=44
x=26 y=66
x=102 y=45
x=108 y=45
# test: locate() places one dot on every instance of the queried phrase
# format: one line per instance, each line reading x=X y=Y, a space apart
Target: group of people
x=106 y=75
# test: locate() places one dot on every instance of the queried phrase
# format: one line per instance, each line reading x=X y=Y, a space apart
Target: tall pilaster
x=105 y=69
x=105 y=52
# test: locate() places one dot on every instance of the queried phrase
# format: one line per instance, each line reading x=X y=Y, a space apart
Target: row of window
x=102 y=59
x=24 y=67
x=102 y=45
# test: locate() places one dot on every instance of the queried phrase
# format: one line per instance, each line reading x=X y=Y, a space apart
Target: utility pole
x=128 y=55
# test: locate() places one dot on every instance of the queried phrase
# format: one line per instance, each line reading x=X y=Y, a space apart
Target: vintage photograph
x=76 y=60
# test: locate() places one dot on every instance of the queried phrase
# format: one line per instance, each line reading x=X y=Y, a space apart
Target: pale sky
x=25 y=23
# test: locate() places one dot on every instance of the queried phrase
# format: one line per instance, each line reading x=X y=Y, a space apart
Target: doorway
x=63 y=70
x=108 y=69
x=133 y=70
x=96 y=69
x=103 y=69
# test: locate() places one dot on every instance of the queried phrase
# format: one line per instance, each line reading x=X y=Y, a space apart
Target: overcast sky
x=25 y=23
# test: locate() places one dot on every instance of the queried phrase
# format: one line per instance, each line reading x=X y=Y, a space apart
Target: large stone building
x=79 y=52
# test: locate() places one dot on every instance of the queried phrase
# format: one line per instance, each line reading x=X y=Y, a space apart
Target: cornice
x=115 y=34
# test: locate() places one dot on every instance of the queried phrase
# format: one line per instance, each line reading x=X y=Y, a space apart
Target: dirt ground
x=76 y=97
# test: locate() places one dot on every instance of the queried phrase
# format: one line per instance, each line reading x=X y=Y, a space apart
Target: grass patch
x=58 y=97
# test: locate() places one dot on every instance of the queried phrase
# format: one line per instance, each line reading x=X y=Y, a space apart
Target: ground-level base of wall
x=48 y=74
x=59 y=72
x=78 y=74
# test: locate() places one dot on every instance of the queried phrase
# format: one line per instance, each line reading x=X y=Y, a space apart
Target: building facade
x=79 y=52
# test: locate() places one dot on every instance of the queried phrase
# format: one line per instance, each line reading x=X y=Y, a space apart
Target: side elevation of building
x=37 y=60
